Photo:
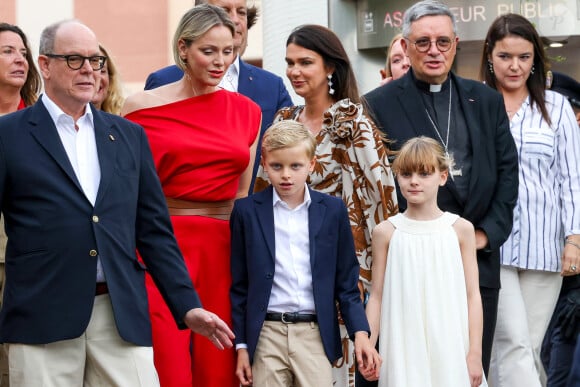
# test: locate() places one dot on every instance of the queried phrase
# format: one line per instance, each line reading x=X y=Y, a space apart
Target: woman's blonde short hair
x=286 y=134
x=195 y=23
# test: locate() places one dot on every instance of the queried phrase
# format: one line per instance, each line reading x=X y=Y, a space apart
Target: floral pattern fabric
x=351 y=163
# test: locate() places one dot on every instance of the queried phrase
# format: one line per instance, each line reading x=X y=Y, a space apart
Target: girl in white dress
x=425 y=290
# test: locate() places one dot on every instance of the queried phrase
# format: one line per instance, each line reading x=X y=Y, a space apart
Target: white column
x=32 y=16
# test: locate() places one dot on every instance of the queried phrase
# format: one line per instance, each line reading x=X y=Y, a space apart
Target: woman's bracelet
x=573 y=243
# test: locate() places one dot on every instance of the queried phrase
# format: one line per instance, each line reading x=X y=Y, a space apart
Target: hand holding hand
x=211 y=326
x=243 y=369
x=368 y=359
x=481 y=240
x=475 y=369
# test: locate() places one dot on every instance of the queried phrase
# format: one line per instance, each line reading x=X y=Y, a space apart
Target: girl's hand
x=368 y=359
x=475 y=369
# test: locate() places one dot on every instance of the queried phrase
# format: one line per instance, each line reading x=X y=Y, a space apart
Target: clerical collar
x=427 y=87
x=434 y=88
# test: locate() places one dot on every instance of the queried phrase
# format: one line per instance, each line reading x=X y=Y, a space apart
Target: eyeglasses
x=443 y=44
x=75 y=62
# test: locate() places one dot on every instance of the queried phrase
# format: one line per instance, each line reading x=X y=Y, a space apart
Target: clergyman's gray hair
x=426 y=8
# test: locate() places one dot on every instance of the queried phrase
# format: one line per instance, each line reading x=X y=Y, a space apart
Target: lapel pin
x=111 y=137
x=251 y=79
x=471 y=100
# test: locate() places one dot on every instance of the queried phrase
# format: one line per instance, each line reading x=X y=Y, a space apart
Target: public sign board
x=379 y=20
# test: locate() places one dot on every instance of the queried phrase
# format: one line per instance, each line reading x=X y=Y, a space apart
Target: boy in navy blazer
x=292 y=262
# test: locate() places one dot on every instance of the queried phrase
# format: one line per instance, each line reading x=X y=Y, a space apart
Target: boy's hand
x=475 y=369
x=368 y=359
x=243 y=369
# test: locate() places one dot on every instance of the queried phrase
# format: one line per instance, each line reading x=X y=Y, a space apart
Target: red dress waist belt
x=218 y=210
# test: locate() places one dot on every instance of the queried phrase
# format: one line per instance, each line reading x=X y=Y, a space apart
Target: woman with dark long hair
x=544 y=244
x=203 y=139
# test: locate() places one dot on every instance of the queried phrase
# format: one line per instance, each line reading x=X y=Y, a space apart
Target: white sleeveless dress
x=424 y=336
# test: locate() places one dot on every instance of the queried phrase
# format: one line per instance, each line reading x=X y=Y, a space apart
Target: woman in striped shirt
x=545 y=241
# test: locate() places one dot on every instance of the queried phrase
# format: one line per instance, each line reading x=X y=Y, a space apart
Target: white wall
x=365 y=63
x=280 y=17
x=32 y=16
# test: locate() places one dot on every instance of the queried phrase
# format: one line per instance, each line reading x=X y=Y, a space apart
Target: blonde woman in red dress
x=203 y=140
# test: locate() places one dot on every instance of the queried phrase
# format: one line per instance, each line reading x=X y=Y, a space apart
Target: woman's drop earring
x=330 y=89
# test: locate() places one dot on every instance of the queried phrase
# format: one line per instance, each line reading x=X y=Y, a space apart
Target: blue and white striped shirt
x=548 y=207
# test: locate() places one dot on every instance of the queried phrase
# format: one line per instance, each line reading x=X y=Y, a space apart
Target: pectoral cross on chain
x=453 y=171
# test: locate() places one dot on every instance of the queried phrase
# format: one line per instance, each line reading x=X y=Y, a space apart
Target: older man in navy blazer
x=261 y=86
x=80 y=195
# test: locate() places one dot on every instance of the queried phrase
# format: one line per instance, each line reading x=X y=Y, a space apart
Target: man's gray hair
x=426 y=8
x=48 y=36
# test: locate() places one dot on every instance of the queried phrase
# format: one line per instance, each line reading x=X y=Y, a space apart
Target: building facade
x=138 y=34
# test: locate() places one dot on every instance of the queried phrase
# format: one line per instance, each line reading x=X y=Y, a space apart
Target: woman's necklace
x=452 y=171
x=190 y=82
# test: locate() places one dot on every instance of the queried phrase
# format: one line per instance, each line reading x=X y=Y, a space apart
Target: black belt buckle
x=287 y=318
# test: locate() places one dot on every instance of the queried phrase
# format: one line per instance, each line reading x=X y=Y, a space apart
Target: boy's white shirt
x=292 y=286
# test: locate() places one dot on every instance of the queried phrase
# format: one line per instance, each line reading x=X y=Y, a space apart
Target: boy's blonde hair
x=286 y=134
x=420 y=154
